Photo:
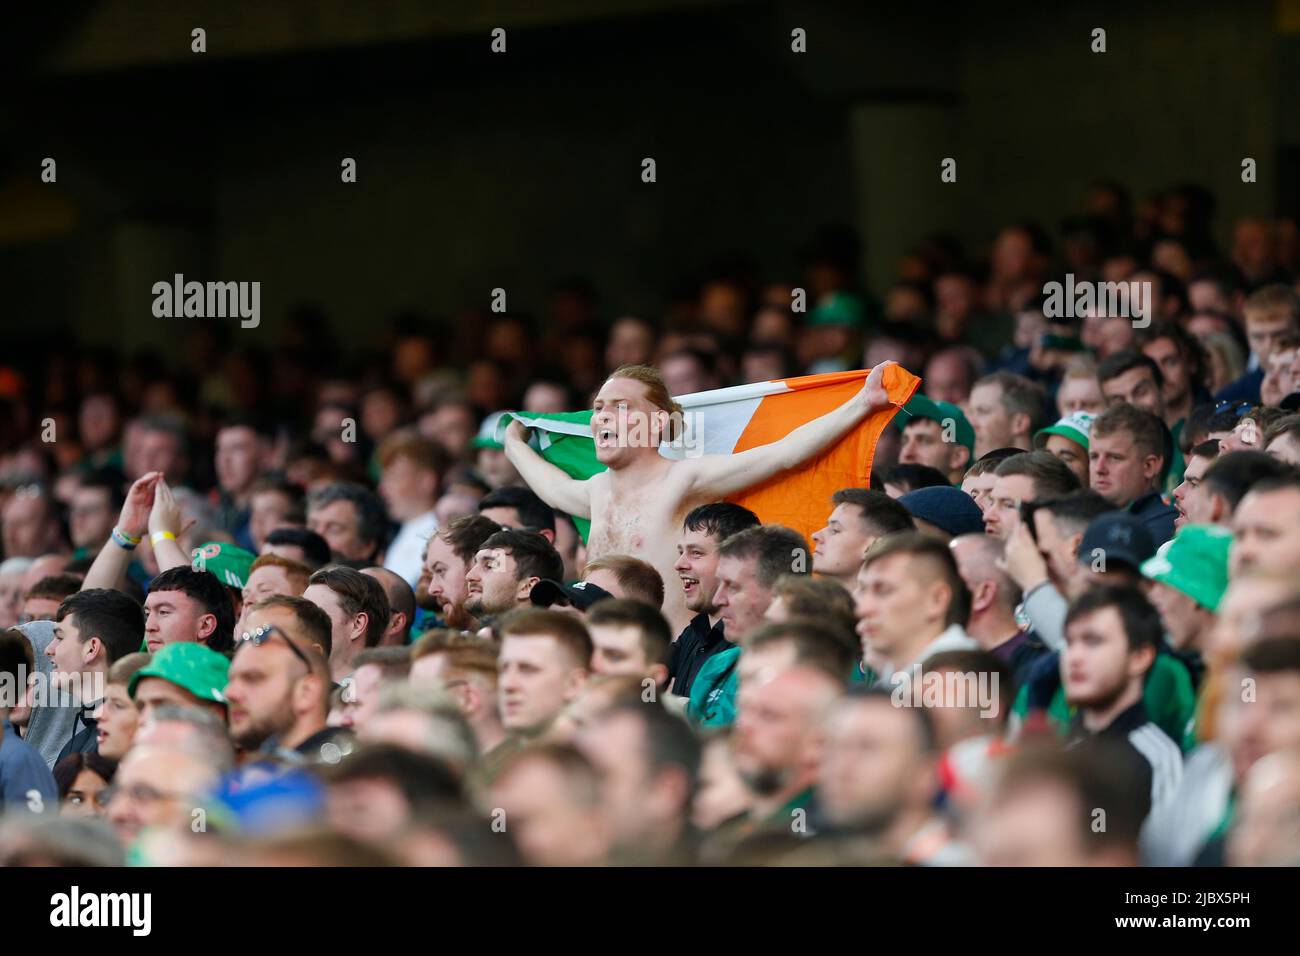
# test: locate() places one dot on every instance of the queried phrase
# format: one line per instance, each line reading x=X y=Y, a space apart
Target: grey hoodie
x=50 y=727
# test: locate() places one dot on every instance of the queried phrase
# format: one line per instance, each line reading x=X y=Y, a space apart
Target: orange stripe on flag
x=801 y=498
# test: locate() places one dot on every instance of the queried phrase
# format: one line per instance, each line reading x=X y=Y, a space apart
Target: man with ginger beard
x=279 y=682
x=447 y=558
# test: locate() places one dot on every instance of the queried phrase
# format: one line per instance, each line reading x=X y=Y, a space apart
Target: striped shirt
x=1159 y=759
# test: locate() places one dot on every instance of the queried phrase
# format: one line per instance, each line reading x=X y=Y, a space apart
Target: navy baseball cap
x=945 y=507
x=1117 y=536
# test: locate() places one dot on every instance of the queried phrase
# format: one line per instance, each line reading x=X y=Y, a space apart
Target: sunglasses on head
x=1237 y=408
x=264 y=632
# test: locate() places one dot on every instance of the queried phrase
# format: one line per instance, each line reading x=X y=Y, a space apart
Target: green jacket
x=1178 y=464
x=713 y=693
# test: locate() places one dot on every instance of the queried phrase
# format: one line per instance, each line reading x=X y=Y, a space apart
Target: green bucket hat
x=192 y=667
x=839 y=308
x=922 y=406
x=1075 y=427
x=228 y=562
x=1195 y=562
x=487 y=433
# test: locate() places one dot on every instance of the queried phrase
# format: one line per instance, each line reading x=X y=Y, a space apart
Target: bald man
x=994 y=599
x=401 y=603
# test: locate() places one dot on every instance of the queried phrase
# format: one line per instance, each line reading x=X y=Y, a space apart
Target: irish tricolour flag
x=726 y=420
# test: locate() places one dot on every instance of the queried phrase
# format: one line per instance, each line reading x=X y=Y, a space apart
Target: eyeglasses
x=264 y=632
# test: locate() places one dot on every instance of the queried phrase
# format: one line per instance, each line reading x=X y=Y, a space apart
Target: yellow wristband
x=162 y=536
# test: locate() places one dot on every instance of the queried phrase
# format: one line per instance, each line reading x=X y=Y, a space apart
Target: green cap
x=922 y=406
x=487 y=433
x=230 y=563
x=839 y=308
x=1195 y=562
x=1075 y=427
x=192 y=667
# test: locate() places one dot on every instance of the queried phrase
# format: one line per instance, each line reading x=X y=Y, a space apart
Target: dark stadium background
x=479 y=171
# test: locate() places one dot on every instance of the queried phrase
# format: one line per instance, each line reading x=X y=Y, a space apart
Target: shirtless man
x=636 y=506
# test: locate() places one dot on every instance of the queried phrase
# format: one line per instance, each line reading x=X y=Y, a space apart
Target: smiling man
x=749 y=565
x=637 y=504
x=703 y=531
x=93 y=629
x=1130 y=376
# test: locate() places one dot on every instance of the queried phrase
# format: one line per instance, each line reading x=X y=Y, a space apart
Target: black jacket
x=693 y=647
x=85 y=734
x=1156 y=514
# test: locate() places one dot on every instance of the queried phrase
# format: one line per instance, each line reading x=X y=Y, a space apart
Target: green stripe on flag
x=563 y=439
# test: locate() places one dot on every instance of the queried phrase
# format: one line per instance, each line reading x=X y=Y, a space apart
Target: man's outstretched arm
x=549 y=483
x=721 y=475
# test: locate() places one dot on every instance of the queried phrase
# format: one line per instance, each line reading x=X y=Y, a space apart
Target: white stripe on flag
x=713 y=429
x=735 y=393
